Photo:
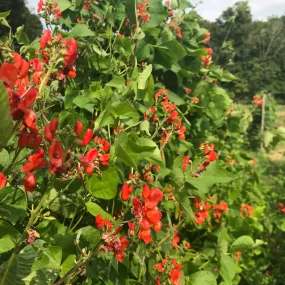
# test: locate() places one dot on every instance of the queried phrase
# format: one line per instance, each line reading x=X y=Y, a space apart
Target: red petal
x=3 y=180
x=8 y=74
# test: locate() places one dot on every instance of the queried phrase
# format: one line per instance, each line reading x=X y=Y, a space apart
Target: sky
x=212 y=9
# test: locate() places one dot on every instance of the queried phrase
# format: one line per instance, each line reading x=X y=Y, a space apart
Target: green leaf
x=88 y=236
x=214 y=174
x=21 y=37
x=104 y=187
x=14 y=202
x=124 y=111
x=143 y=77
x=142 y=51
x=51 y=259
x=241 y=244
x=157 y=13
x=63 y=4
x=67 y=264
x=6 y=122
x=144 y=127
x=202 y=278
x=9 y=236
x=4 y=158
x=227 y=268
x=186 y=206
x=4 y=15
x=117 y=82
x=132 y=149
x=80 y=30
x=95 y=210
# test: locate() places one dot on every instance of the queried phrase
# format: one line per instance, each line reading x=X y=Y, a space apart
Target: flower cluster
x=175 y=27
x=202 y=211
x=208 y=37
x=148 y=171
x=219 y=209
x=210 y=154
x=143 y=14
x=207 y=60
x=147 y=213
x=49 y=9
x=170 y=269
x=257 y=100
x=112 y=243
x=58 y=46
x=247 y=210
x=171 y=123
x=281 y=207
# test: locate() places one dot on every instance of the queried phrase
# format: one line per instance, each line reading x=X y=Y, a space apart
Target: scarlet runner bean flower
x=169 y=268
x=219 y=209
x=202 y=212
x=246 y=210
x=35 y=161
x=257 y=100
x=30 y=182
x=3 y=180
x=281 y=208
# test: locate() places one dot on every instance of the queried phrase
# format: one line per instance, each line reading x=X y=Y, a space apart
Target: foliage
x=252 y=50
x=122 y=160
x=20 y=16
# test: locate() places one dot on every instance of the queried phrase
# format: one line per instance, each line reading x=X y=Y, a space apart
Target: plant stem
x=30 y=223
x=76 y=267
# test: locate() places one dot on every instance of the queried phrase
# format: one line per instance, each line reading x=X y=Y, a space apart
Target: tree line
x=252 y=50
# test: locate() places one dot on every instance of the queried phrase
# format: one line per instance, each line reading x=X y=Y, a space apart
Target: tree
x=20 y=15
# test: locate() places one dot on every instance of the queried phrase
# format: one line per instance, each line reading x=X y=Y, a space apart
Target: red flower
x=247 y=210
x=31 y=140
x=146 y=191
x=8 y=74
x=125 y=194
x=100 y=223
x=24 y=69
x=36 y=161
x=237 y=255
x=195 y=100
x=104 y=159
x=50 y=129
x=57 y=14
x=56 y=157
x=175 y=240
x=157 y=227
x=154 y=198
x=28 y=99
x=17 y=60
x=209 y=51
x=30 y=182
x=46 y=37
x=86 y=138
x=188 y=90
x=30 y=119
x=154 y=215
x=3 y=180
x=88 y=159
x=145 y=236
x=186 y=161
x=208 y=37
x=206 y=61
x=137 y=207
x=175 y=274
x=212 y=156
x=78 y=128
